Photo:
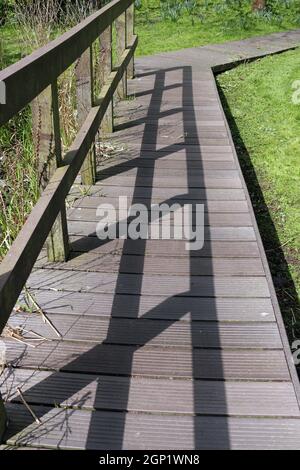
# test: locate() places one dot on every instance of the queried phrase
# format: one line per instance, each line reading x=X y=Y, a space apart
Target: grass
x=19 y=191
x=265 y=124
x=10 y=47
x=206 y=26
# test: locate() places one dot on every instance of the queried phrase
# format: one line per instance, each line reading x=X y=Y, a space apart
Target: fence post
x=130 y=35
x=121 y=46
x=84 y=85
x=45 y=117
x=58 y=240
x=105 y=69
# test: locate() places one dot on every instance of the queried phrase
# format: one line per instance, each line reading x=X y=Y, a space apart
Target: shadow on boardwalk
x=115 y=433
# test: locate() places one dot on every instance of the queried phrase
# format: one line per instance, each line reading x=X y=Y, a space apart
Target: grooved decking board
x=263 y=365
x=170 y=194
x=159 y=140
x=112 y=215
x=98 y=197
x=87 y=229
x=129 y=160
x=175 y=150
x=215 y=249
x=170 y=121
x=173 y=127
x=153 y=332
x=201 y=158
x=176 y=182
x=12 y=447
x=166 y=173
x=197 y=286
x=151 y=395
x=71 y=429
x=158 y=265
x=221 y=207
x=155 y=307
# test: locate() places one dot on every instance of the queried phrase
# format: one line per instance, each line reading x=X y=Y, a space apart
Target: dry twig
x=37 y=420
x=16 y=334
x=40 y=311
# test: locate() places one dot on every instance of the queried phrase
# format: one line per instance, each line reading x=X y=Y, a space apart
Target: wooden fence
x=37 y=75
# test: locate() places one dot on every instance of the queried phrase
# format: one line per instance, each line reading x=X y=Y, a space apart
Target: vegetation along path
x=161 y=348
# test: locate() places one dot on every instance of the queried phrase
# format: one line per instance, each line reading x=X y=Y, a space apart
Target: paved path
x=190 y=344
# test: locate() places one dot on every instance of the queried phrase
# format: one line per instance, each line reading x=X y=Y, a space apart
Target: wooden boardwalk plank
x=170 y=195
x=216 y=233
x=263 y=365
x=221 y=207
x=167 y=248
x=157 y=265
x=176 y=182
x=153 y=332
x=166 y=173
x=212 y=219
x=192 y=151
x=160 y=308
x=151 y=395
x=131 y=161
x=197 y=286
x=101 y=431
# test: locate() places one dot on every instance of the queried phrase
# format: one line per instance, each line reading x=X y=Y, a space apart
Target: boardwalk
x=162 y=348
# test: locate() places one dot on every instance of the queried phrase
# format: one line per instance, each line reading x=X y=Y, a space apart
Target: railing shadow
x=116 y=433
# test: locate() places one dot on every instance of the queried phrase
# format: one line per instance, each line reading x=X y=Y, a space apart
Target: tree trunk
x=258 y=5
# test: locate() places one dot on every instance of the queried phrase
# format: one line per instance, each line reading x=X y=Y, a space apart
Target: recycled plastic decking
x=161 y=348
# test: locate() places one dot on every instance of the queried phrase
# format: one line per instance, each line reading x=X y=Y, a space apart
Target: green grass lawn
x=206 y=26
x=266 y=129
x=10 y=46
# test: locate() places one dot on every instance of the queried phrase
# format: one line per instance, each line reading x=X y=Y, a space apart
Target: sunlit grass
x=161 y=35
x=259 y=97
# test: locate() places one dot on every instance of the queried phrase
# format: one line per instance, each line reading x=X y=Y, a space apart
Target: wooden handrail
x=27 y=78
x=50 y=61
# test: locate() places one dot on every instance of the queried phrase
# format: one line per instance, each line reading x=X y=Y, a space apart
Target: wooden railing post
x=46 y=128
x=104 y=72
x=130 y=35
x=121 y=46
x=58 y=240
x=84 y=83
